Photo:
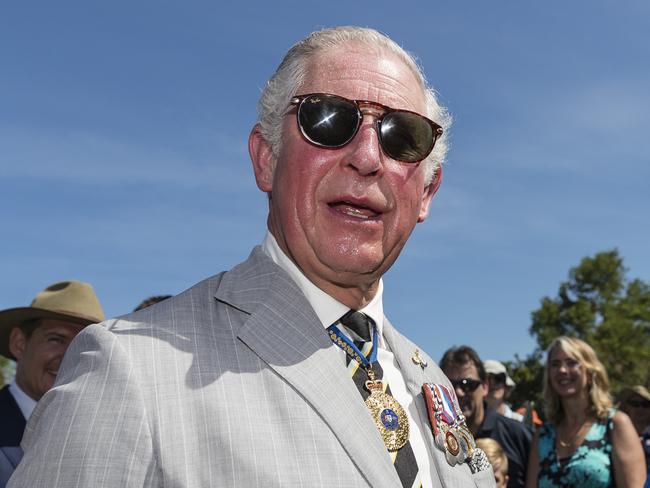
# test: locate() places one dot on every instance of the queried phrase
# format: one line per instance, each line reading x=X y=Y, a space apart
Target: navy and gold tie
x=359 y=323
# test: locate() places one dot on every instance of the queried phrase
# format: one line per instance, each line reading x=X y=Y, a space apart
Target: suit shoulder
x=169 y=313
x=197 y=294
x=193 y=316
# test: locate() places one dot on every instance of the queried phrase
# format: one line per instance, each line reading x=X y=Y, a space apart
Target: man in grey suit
x=257 y=376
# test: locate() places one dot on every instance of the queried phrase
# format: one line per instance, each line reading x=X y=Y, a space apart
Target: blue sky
x=123 y=157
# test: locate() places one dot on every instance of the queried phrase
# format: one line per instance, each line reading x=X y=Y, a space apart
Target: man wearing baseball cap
x=500 y=385
x=36 y=337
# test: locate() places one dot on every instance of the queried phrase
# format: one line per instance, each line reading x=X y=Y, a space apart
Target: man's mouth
x=355 y=210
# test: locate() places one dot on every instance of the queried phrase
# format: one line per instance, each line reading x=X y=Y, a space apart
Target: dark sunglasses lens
x=328 y=121
x=406 y=137
x=498 y=379
x=468 y=385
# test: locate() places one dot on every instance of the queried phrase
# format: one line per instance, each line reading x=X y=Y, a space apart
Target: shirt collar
x=24 y=401
x=327 y=308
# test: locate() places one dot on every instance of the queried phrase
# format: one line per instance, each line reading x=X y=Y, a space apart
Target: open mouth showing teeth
x=354 y=210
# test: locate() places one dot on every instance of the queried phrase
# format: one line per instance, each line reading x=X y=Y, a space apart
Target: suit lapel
x=414 y=377
x=284 y=332
x=403 y=350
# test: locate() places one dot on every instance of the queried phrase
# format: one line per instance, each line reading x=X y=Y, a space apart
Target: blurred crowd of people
x=586 y=439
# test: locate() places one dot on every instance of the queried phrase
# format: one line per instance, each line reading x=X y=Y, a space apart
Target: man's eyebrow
x=57 y=333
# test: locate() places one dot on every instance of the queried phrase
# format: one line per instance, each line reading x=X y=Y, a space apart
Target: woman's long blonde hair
x=600 y=401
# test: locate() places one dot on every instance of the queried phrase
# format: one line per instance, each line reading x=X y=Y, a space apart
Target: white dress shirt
x=329 y=311
x=24 y=401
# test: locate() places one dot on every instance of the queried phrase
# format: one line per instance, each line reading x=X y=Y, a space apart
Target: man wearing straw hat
x=36 y=337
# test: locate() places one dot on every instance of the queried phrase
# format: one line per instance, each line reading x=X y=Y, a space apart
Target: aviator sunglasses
x=332 y=121
x=468 y=385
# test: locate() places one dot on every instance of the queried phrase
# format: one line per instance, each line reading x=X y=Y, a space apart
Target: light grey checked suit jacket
x=234 y=382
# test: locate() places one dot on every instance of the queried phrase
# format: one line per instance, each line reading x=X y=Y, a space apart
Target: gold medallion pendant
x=389 y=416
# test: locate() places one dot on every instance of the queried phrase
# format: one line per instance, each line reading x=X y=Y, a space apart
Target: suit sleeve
x=91 y=429
x=9 y=459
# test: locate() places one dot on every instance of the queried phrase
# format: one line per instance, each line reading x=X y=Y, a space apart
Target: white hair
x=273 y=104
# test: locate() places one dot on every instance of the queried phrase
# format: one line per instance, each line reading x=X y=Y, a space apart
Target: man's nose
x=366 y=155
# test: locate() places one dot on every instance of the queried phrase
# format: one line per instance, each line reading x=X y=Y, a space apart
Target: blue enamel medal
x=389 y=416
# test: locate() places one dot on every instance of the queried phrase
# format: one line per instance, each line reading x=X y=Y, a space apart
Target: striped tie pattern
x=403 y=459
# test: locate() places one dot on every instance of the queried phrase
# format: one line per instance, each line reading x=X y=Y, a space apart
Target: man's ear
x=427 y=196
x=17 y=343
x=263 y=159
x=485 y=387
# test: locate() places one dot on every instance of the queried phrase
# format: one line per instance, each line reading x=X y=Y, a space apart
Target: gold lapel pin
x=417 y=359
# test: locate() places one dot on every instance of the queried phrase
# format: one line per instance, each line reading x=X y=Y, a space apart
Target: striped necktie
x=403 y=459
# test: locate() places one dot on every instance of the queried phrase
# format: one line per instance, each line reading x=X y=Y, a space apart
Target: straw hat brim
x=14 y=317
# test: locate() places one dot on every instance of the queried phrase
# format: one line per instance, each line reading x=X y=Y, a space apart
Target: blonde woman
x=584 y=442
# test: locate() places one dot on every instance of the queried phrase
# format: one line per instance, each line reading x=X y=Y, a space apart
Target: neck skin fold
x=351 y=290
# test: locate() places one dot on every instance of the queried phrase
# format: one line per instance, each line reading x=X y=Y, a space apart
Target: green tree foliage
x=527 y=373
x=599 y=305
x=7 y=368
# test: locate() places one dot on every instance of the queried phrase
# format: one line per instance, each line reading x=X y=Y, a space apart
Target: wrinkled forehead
x=360 y=71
